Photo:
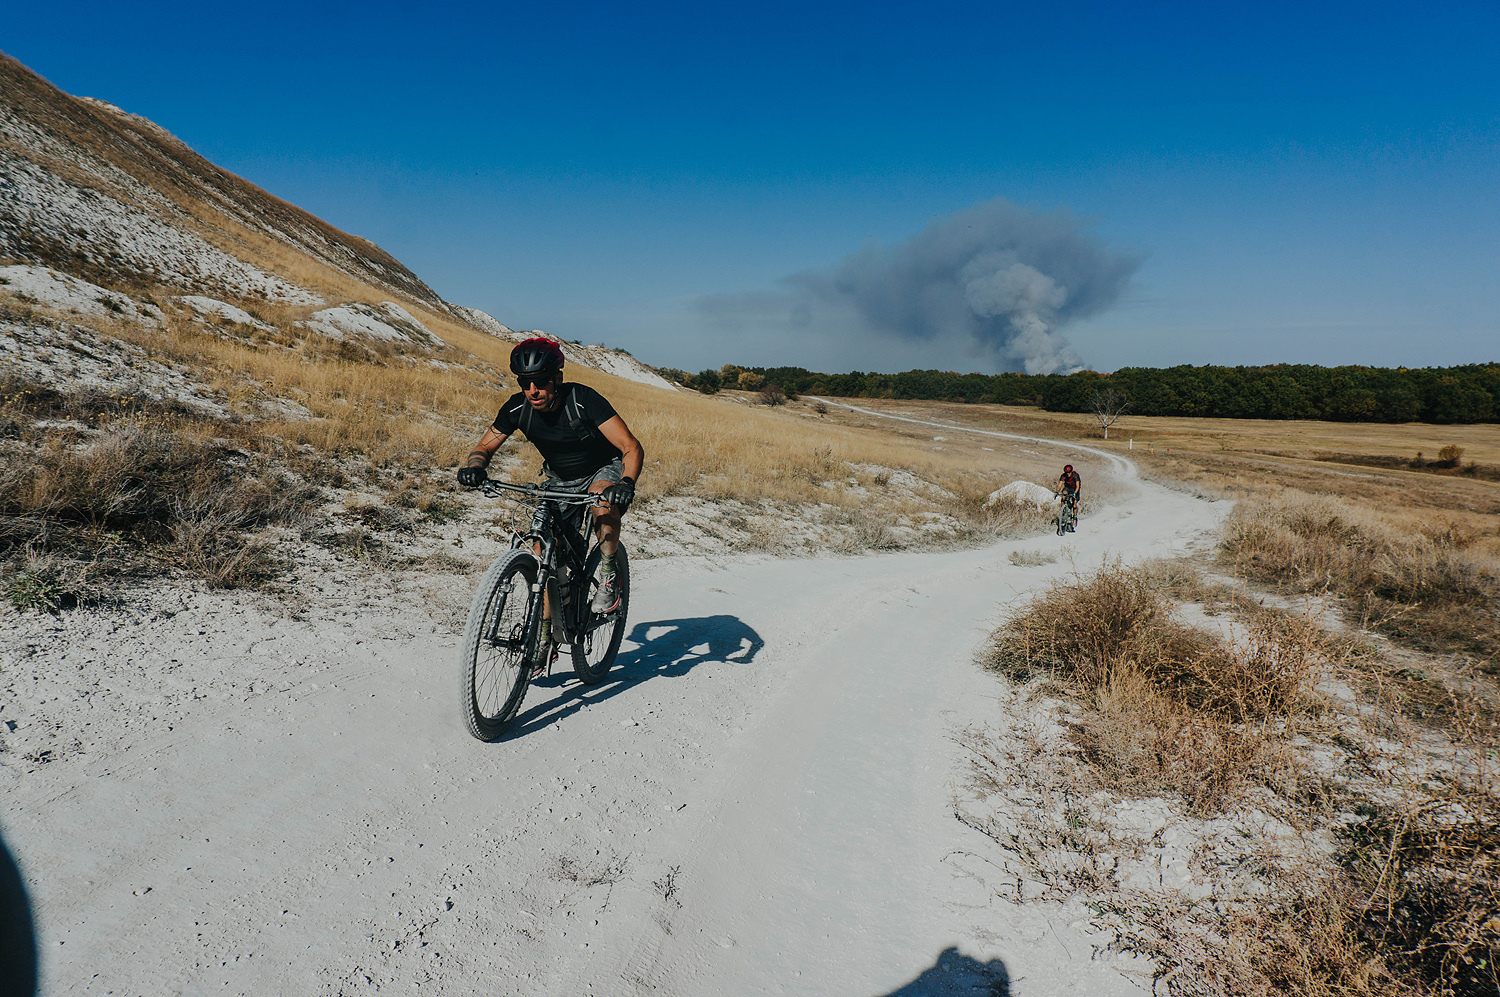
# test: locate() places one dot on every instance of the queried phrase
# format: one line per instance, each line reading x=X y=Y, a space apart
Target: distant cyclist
x=1070 y=488
x=585 y=444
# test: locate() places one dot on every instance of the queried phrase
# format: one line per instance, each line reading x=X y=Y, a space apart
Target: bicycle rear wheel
x=496 y=652
x=594 y=652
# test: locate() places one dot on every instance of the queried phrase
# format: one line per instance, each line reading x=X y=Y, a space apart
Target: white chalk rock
x=386 y=321
x=73 y=296
x=1022 y=493
x=214 y=308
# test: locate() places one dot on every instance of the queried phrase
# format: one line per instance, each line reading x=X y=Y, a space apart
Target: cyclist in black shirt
x=586 y=445
x=1070 y=487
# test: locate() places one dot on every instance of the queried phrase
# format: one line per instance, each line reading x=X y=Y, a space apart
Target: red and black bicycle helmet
x=536 y=358
x=1068 y=468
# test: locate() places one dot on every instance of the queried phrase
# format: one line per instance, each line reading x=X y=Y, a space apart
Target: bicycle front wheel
x=594 y=651
x=496 y=652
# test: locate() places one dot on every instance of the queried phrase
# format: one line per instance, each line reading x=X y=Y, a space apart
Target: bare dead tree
x=1108 y=404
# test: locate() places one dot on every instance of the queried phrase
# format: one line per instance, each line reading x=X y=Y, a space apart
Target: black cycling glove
x=472 y=477
x=620 y=495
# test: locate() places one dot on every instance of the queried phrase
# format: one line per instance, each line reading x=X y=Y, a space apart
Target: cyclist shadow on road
x=671 y=647
x=955 y=973
x=655 y=648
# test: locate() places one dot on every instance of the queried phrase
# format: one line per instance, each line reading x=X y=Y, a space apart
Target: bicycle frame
x=1067 y=513
x=556 y=545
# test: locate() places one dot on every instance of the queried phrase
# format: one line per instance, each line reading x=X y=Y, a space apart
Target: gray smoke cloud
x=998 y=275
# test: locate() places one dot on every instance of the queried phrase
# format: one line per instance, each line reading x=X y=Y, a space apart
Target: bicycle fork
x=541 y=528
x=535 y=615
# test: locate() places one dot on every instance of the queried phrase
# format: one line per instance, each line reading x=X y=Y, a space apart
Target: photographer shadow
x=668 y=648
x=18 y=956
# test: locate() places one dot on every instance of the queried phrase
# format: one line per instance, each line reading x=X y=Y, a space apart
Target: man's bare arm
x=485 y=448
x=632 y=454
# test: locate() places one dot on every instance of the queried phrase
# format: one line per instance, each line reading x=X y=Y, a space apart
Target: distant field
x=1240 y=456
x=1303 y=438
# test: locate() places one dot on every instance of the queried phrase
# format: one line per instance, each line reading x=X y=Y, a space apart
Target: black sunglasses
x=527 y=382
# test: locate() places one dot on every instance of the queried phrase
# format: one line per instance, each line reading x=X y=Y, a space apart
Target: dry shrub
x=1409 y=904
x=141 y=492
x=1083 y=630
x=1412 y=908
x=47 y=583
x=1302 y=940
x=1429 y=878
x=212 y=540
x=134 y=475
x=1166 y=707
x=1432 y=583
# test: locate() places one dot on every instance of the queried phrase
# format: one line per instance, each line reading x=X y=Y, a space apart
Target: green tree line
x=1469 y=393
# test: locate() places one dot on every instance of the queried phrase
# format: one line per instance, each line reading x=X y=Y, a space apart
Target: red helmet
x=536 y=358
x=1068 y=467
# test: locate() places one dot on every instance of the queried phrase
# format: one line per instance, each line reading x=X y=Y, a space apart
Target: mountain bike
x=1067 y=515
x=502 y=649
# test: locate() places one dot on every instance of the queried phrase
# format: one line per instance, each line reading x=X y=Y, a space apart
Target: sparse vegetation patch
x=1168 y=708
x=1413 y=576
x=126 y=485
x=1330 y=850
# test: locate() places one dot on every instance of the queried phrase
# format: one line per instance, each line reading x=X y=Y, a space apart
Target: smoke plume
x=999 y=276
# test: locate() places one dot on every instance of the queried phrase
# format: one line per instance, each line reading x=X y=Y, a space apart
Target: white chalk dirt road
x=758 y=800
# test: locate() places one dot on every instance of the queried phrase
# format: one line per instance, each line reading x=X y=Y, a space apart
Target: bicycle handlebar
x=493 y=488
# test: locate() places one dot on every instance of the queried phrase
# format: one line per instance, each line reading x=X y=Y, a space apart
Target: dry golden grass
x=377 y=414
x=1428 y=888
x=1407 y=901
x=148 y=487
x=1304 y=438
x=1415 y=555
x=1433 y=582
x=399 y=413
x=1411 y=905
x=1235 y=457
x=1168 y=708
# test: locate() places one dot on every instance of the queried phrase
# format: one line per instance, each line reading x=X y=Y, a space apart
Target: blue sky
x=1315 y=184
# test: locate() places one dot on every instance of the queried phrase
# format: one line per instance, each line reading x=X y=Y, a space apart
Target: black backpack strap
x=523 y=421
x=577 y=422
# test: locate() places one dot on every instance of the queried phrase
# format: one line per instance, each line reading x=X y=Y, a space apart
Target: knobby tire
x=495 y=664
x=594 y=653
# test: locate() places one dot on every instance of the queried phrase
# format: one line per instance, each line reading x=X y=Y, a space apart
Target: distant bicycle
x=1069 y=488
x=1067 y=514
x=550 y=565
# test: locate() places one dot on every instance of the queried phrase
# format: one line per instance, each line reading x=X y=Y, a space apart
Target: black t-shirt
x=1071 y=482
x=570 y=453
